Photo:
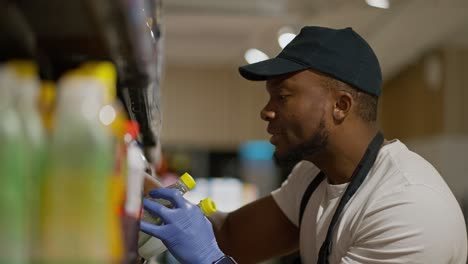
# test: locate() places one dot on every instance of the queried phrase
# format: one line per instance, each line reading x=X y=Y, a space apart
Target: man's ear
x=342 y=107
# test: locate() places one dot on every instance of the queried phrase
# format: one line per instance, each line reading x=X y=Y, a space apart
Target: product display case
x=61 y=34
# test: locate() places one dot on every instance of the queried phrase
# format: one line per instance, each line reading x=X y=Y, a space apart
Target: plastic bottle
x=112 y=116
x=77 y=211
x=149 y=246
x=27 y=87
x=120 y=186
x=13 y=238
x=184 y=184
x=136 y=165
x=154 y=247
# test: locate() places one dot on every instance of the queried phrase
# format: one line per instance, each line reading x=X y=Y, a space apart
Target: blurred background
x=178 y=76
x=422 y=46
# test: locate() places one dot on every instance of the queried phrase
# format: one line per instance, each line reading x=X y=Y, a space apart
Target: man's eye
x=282 y=97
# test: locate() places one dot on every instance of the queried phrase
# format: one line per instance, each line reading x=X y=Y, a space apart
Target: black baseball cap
x=339 y=53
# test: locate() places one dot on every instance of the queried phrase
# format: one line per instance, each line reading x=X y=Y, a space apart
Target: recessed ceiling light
x=255 y=55
x=379 y=3
x=285 y=38
x=285 y=35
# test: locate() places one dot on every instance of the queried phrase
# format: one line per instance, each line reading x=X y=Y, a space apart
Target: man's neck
x=343 y=154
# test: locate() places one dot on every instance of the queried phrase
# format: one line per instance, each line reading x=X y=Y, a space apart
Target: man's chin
x=286 y=160
x=290 y=155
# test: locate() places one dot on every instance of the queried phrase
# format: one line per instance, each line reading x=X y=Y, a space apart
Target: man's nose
x=267 y=115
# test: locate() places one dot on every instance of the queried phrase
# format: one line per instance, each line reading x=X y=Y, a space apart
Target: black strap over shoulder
x=309 y=191
x=357 y=179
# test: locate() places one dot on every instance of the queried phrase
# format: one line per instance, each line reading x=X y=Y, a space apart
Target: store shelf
x=62 y=34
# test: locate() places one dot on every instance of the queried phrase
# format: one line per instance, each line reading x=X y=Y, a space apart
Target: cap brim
x=270 y=68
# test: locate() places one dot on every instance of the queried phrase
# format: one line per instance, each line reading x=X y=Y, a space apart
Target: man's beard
x=312 y=146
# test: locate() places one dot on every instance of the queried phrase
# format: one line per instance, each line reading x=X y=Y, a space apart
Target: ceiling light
x=285 y=38
x=255 y=55
x=379 y=3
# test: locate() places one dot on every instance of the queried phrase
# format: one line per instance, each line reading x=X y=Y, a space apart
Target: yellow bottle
x=78 y=223
x=113 y=117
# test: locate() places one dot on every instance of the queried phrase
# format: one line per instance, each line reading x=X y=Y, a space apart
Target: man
x=352 y=197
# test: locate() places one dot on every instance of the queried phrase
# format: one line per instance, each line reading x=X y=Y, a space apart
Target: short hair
x=366 y=103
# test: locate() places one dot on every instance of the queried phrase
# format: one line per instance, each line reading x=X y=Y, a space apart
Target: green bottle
x=27 y=87
x=13 y=238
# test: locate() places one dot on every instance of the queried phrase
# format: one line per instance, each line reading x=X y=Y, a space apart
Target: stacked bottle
x=13 y=175
x=77 y=197
x=136 y=165
x=76 y=205
x=27 y=88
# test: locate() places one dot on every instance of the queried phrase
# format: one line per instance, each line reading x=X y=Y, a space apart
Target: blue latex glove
x=186 y=232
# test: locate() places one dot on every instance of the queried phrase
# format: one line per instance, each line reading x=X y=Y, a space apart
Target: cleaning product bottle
x=136 y=164
x=13 y=238
x=111 y=114
x=27 y=87
x=183 y=184
x=76 y=206
x=154 y=246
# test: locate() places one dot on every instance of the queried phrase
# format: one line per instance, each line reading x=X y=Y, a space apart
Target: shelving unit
x=60 y=34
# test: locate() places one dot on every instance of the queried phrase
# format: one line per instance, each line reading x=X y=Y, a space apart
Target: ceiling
x=218 y=32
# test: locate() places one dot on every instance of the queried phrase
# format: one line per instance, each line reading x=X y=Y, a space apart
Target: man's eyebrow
x=286 y=88
x=283 y=87
x=278 y=86
x=279 y=90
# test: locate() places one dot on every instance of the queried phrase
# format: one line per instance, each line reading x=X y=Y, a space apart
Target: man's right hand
x=186 y=232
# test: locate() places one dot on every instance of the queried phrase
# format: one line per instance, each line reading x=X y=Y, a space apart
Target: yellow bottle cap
x=188 y=181
x=207 y=206
x=106 y=73
x=24 y=68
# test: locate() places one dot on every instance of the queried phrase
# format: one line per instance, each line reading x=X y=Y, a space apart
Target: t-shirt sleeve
x=414 y=225
x=288 y=197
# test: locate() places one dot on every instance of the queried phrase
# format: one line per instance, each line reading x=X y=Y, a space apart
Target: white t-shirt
x=403 y=212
